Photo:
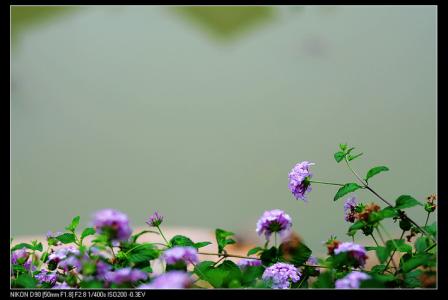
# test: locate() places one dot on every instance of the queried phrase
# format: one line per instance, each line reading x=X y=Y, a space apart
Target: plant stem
x=275 y=239
x=427 y=219
x=227 y=255
x=374 y=240
x=323 y=182
x=380 y=235
x=362 y=181
x=391 y=257
x=161 y=233
x=382 y=240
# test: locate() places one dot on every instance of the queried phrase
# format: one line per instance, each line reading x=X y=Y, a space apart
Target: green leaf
x=412 y=279
x=350 y=150
x=234 y=272
x=269 y=256
x=357 y=225
x=398 y=245
x=180 y=240
x=298 y=255
x=406 y=201
x=74 y=224
x=94 y=284
x=137 y=235
x=22 y=245
x=201 y=244
x=66 y=238
x=376 y=170
x=352 y=157
x=325 y=280
x=38 y=247
x=431 y=229
x=143 y=252
x=378 y=268
x=86 y=232
x=44 y=257
x=206 y=272
x=250 y=274
x=421 y=244
x=339 y=156
x=343 y=147
x=415 y=262
x=346 y=189
x=382 y=253
x=222 y=239
x=25 y=281
x=254 y=251
x=388 y=212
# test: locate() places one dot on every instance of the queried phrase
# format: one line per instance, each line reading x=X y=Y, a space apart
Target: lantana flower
x=280 y=275
x=273 y=221
x=352 y=280
x=169 y=280
x=299 y=177
x=114 y=223
x=356 y=251
x=181 y=254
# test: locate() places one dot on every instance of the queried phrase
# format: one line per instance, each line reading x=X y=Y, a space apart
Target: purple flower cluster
x=352 y=280
x=169 y=280
x=274 y=221
x=114 y=223
x=181 y=254
x=298 y=183
x=312 y=260
x=19 y=256
x=102 y=269
x=62 y=286
x=280 y=275
x=358 y=252
x=349 y=209
x=248 y=262
x=125 y=275
x=70 y=263
x=65 y=257
x=155 y=220
x=46 y=277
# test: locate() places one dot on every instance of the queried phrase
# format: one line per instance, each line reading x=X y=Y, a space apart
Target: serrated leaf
x=201 y=244
x=75 y=222
x=382 y=253
x=222 y=239
x=388 y=212
x=66 y=238
x=398 y=245
x=297 y=255
x=346 y=189
x=352 y=157
x=406 y=201
x=137 y=235
x=142 y=253
x=431 y=229
x=376 y=170
x=180 y=240
x=22 y=245
x=254 y=251
x=339 y=156
x=25 y=281
x=357 y=226
x=86 y=232
x=421 y=244
x=415 y=262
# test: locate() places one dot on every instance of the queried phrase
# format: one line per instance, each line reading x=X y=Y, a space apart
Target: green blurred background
x=201 y=112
